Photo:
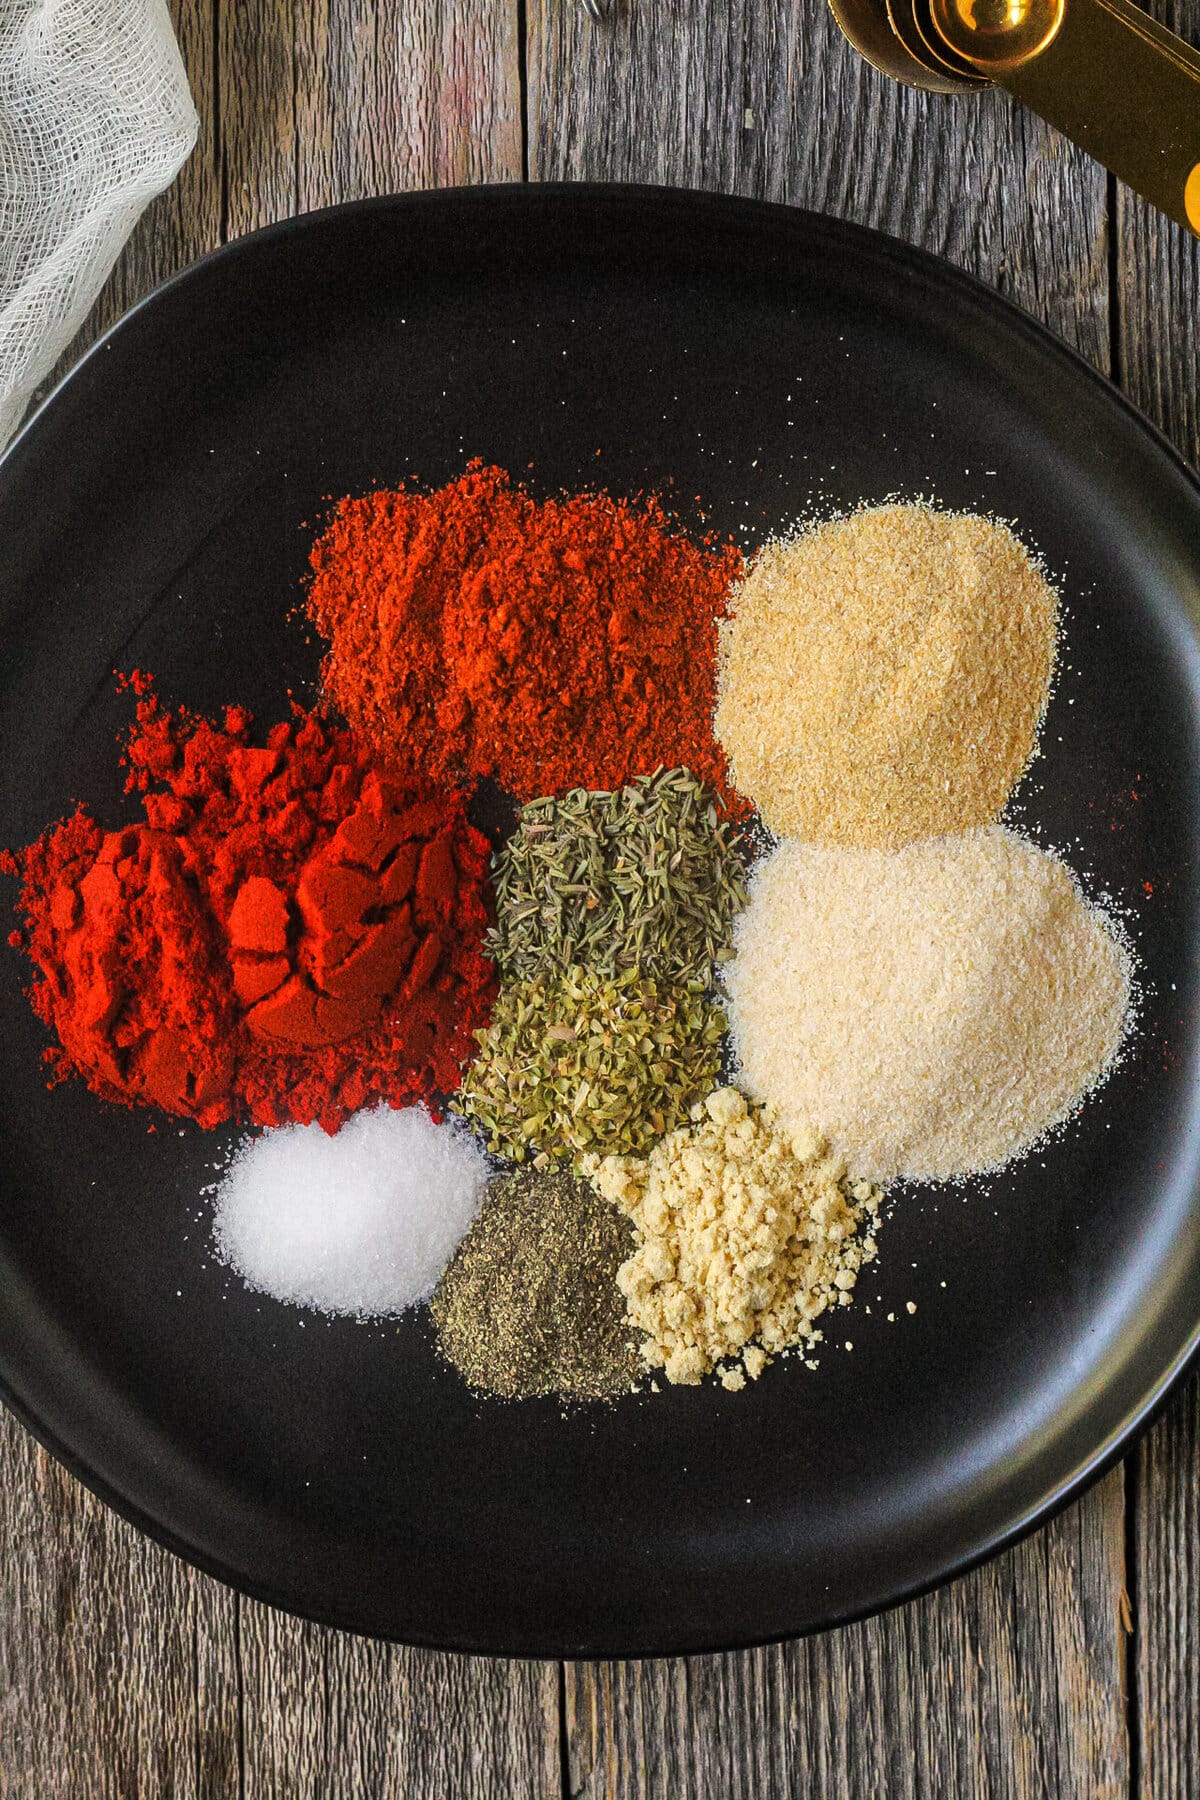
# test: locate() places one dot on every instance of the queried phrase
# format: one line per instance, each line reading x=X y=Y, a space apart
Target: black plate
x=746 y=360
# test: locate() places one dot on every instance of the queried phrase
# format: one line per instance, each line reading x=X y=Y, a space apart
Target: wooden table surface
x=1069 y=1667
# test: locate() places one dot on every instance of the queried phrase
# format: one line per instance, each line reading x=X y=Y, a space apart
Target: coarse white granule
x=363 y=1222
x=931 y=1011
x=883 y=676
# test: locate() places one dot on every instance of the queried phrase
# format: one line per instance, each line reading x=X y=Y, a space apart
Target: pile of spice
x=884 y=676
x=549 y=644
x=646 y=878
x=287 y=936
x=530 y=1304
x=747 y=1233
x=932 y=1011
x=297 y=931
x=580 y=1062
x=361 y=1223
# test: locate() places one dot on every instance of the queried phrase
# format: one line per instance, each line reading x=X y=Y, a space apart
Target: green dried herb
x=530 y=1304
x=647 y=877
x=578 y=1063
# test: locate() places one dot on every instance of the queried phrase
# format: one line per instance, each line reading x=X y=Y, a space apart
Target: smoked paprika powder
x=476 y=631
x=288 y=935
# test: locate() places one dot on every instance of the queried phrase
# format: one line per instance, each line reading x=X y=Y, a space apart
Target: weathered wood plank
x=332 y=1717
x=118 y=1673
x=1158 y=353
x=329 y=100
x=1010 y=1683
x=1167 y=1586
x=771 y=101
x=321 y=102
x=757 y=100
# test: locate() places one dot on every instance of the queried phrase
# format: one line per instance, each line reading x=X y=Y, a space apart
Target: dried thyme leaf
x=637 y=1055
x=647 y=878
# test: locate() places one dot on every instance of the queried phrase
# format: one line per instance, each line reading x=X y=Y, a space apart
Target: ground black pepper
x=530 y=1304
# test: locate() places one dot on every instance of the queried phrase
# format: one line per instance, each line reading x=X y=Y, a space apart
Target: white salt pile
x=361 y=1223
x=931 y=1012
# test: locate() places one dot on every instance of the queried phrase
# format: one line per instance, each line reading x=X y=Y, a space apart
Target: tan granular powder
x=883 y=677
x=746 y=1234
x=931 y=1011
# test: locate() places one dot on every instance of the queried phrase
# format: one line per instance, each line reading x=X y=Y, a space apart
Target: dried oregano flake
x=578 y=1063
x=648 y=877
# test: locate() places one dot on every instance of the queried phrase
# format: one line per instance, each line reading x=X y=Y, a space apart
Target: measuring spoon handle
x=1127 y=91
x=1109 y=77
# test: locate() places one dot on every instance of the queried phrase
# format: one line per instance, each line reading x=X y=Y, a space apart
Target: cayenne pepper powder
x=552 y=644
x=288 y=936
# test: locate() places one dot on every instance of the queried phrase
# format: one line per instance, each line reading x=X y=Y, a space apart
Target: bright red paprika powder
x=288 y=936
x=548 y=644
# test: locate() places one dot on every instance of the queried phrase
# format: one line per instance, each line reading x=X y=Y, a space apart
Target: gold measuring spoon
x=868 y=25
x=1103 y=72
x=917 y=36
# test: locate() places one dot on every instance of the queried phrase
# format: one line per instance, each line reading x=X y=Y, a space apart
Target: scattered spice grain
x=883 y=676
x=530 y=1304
x=932 y=1011
x=747 y=1233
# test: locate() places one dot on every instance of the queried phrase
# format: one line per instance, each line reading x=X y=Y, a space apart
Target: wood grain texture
x=1007 y=1684
x=118 y=1668
x=117 y=1665
x=323 y=101
x=333 y=1717
x=1011 y=1682
x=329 y=100
x=771 y=101
x=1157 y=269
x=1167 y=1590
x=123 y=1673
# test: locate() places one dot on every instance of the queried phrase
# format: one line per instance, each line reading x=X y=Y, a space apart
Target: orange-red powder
x=288 y=935
x=548 y=644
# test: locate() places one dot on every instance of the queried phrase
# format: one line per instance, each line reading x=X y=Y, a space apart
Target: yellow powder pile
x=746 y=1234
x=933 y=1011
x=883 y=677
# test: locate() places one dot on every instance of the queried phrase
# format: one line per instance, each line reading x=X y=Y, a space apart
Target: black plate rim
x=803 y=221
x=784 y=222
x=1131 y=1429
